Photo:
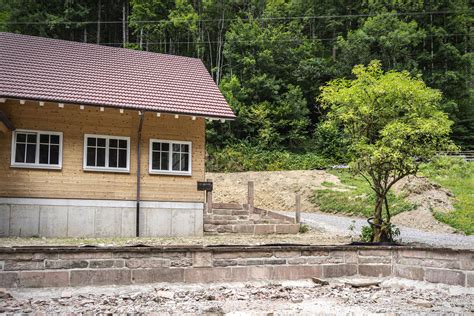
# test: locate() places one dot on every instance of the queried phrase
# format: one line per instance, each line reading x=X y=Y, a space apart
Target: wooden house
x=101 y=141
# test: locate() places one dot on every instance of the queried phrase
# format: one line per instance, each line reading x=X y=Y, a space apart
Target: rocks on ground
x=287 y=297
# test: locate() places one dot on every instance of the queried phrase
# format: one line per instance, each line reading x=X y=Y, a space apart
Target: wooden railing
x=467 y=155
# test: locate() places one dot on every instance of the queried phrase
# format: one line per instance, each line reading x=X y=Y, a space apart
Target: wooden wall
x=72 y=181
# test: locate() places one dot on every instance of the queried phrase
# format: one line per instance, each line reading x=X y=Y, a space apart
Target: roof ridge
x=98 y=45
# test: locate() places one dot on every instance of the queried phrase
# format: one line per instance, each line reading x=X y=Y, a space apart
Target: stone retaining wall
x=76 y=266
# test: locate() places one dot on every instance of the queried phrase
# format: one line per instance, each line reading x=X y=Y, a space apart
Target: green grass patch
x=358 y=198
x=457 y=176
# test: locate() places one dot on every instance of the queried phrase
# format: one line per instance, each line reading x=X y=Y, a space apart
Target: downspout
x=139 y=139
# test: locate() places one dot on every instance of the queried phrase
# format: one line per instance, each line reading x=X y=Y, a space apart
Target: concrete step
x=234 y=206
x=228 y=217
x=255 y=229
x=228 y=222
x=223 y=211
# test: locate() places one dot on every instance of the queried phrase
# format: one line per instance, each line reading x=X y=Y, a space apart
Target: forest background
x=270 y=59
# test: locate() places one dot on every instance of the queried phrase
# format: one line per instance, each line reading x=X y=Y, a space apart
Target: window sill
x=35 y=166
x=110 y=170
x=170 y=173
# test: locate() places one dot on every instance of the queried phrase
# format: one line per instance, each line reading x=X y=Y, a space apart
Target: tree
x=393 y=122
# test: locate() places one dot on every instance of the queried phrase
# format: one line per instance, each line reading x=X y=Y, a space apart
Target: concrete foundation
x=25 y=217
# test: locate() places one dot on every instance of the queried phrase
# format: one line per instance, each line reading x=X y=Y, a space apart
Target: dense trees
x=271 y=57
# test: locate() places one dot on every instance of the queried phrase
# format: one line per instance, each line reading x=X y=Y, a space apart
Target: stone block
x=373 y=259
x=287 y=228
x=339 y=270
x=299 y=260
x=183 y=222
x=264 y=229
x=375 y=253
x=296 y=272
x=24 y=220
x=135 y=263
x=17 y=265
x=225 y=263
x=44 y=278
x=412 y=253
x=242 y=254
x=445 y=276
x=80 y=222
x=409 y=272
x=53 y=221
x=108 y=222
x=244 y=274
x=315 y=253
x=4 y=220
x=466 y=261
x=433 y=263
x=287 y=254
x=157 y=275
x=244 y=229
x=100 y=277
x=102 y=264
x=202 y=259
x=206 y=275
x=86 y=255
x=9 y=279
x=469 y=279
x=375 y=270
x=66 y=264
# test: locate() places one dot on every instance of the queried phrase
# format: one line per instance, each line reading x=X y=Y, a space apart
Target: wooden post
x=209 y=199
x=298 y=208
x=250 y=196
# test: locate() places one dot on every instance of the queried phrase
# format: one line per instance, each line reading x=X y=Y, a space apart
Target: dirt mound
x=428 y=197
x=274 y=190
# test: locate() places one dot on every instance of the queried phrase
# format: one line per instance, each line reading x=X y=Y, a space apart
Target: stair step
x=234 y=206
x=223 y=211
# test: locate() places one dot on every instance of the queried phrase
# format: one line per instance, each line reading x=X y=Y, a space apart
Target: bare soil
x=428 y=197
x=276 y=190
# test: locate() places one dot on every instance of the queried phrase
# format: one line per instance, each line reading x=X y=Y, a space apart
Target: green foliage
x=273 y=57
x=354 y=197
x=393 y=122
x=244 y=157
x=303 y=228
x=457 y=176
x=367 y=233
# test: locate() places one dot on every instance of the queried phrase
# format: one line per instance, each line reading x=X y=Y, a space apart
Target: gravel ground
x=392 y=297
x=339 y=225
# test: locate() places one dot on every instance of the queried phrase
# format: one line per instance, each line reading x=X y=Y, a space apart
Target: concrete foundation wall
x=75 y=266
x=97 y=218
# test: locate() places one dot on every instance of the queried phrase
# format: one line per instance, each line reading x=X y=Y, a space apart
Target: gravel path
x=340 y=225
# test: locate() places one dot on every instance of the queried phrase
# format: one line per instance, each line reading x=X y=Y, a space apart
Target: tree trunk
x=378 y=221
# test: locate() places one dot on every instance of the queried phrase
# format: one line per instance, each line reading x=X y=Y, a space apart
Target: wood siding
x=72 y=181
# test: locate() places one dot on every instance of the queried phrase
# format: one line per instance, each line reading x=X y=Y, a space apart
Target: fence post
x=250 y=196
x=209 y=199
x=298 y=208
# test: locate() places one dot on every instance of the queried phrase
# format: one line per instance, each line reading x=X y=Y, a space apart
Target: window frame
x=36 y=164
x=170 y=158
x=85 y=167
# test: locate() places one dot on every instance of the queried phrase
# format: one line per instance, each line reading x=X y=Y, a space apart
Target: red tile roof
x=71 y=72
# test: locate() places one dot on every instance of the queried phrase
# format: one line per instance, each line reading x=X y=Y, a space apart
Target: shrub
x=244 y=157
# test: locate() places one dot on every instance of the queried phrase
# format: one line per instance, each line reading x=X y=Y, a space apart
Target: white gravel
x=338 y=224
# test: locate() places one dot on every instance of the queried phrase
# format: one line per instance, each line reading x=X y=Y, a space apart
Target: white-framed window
x=37 y=149
x=106 y=153
x=170 y=157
